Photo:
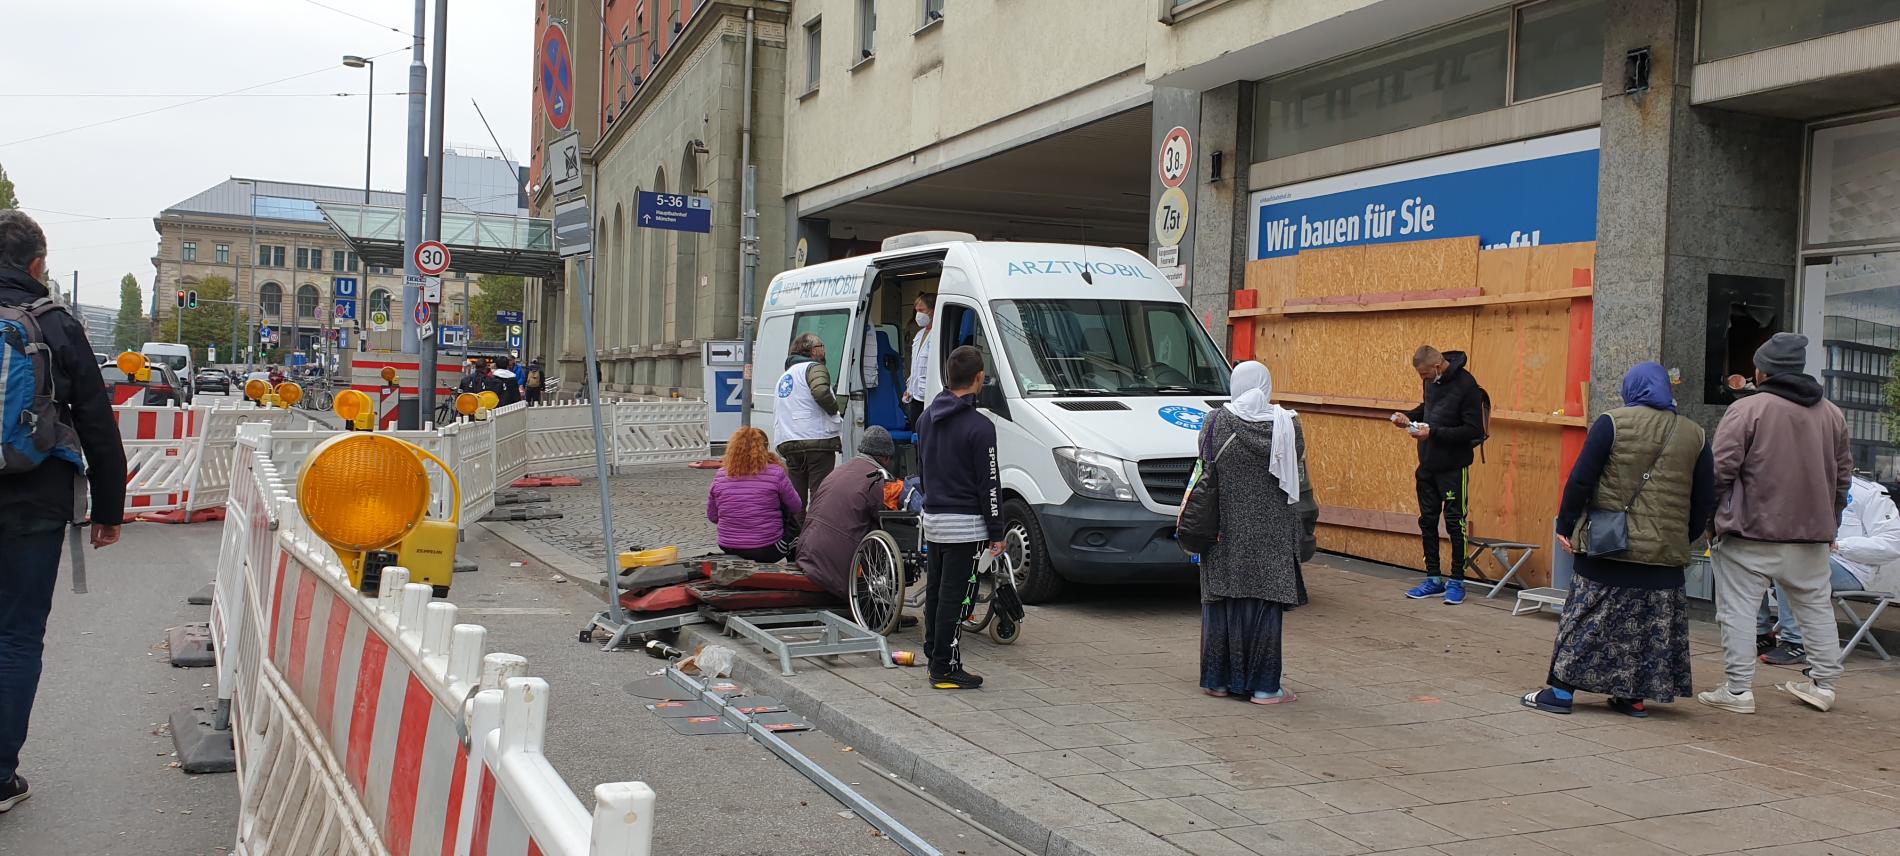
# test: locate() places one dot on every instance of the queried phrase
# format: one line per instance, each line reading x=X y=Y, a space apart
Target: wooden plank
x=1505 y=271
x=1554 y=266
x=1472 y=302
x=1241 y=337
x=1370 y=355
x=1318 y=273
x=1360 y=464
x=1388 y=547
x=1272 y=279
x=1380 y=408
x=1519 y=354
x=1515 y=492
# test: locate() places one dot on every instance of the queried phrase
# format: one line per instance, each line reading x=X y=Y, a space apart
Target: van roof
x=840 y=279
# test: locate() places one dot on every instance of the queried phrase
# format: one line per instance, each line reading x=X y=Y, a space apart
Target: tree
x=498 y=293
x=210 y=323
x=1891 y=415
x=129 y=331
x=7 y=199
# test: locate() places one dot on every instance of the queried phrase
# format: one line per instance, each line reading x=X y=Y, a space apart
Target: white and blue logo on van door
x=1183 y=416
x=785 y=386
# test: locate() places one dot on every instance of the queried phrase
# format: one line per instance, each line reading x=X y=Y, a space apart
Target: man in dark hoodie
x=962 y=510
x=37 y=503
x=1783 y=469
x=1448 y=424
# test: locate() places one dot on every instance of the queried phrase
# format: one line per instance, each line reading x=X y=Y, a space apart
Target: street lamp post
x=369 y=118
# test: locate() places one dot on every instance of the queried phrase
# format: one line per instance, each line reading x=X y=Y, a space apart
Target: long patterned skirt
x=1240 y=645
x=1623 y=642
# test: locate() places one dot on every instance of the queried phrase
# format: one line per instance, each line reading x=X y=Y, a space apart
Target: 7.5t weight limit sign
x=432 y=257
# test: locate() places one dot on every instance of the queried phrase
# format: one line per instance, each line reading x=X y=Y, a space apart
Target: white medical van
x=1099 y=377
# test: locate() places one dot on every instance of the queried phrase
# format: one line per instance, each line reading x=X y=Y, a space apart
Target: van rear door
x=850 y=376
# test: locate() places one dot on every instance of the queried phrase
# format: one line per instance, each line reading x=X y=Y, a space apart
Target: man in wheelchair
x=843 y=509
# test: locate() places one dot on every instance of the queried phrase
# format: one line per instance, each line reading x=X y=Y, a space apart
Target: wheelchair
x=887 y=578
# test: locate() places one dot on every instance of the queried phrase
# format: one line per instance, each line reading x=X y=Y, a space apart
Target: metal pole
x=369 y=130
x=412 y=212
x=250 y=342
x=432 y=227
x=601 y=439
x=748 y=226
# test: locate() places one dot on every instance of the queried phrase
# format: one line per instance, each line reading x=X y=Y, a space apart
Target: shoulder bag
x=1606 y=531
x=1197 y=528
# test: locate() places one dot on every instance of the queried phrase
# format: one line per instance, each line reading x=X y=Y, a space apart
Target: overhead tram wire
x=233 y=92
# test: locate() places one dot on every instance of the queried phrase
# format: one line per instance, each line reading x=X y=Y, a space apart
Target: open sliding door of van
x=882 y=273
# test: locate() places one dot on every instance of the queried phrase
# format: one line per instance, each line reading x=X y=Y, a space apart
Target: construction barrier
x=560 y=437
x=162 y=450
x=352 y=716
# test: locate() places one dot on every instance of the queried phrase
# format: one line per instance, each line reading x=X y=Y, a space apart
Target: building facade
x=673 y=121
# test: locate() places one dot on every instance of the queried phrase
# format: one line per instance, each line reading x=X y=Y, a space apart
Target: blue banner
x=675 y=211
x=1521 y=194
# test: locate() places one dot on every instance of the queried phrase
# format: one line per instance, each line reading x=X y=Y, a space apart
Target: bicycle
x=887 y=577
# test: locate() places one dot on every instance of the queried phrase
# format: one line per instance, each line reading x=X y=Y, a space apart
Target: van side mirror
x=991 y=398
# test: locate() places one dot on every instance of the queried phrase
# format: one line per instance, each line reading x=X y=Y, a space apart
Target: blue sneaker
x=1431 y=587
x=1455 y=593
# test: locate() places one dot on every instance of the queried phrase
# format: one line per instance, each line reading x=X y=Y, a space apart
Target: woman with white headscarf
x=1252 y=575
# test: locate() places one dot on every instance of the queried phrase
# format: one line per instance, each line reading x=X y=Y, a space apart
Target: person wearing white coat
x=1866 y=557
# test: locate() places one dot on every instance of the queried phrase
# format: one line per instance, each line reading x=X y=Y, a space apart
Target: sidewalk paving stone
x=1091 y=735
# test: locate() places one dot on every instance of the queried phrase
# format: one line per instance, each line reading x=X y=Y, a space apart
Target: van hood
x=1150 y=426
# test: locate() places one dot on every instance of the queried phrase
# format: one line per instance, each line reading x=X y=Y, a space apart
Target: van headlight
x=1094 y=474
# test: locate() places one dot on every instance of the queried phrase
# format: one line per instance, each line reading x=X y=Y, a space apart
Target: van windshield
x=1108 y=347
x=177 y=362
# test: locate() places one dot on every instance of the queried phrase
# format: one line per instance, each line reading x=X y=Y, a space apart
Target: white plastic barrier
x=560 y=437
x=349 y=712
x=211 y=483
x=161 y=455
x=511 y=444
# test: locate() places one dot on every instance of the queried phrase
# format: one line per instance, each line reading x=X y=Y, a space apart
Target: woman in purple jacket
x=752 y=500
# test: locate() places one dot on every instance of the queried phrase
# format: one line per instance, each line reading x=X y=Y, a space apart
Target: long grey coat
x=1258 y=554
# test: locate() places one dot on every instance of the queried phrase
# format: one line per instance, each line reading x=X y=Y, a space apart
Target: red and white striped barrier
x=161 y=456
x=349 y=712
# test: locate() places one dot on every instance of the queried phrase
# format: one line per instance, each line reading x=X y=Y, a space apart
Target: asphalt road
x=98 y=755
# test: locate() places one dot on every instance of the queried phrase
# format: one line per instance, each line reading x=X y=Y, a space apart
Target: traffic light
x=191 y=299
x=181 y=298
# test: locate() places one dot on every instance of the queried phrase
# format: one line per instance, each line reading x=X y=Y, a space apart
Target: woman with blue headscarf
x=1641 y=491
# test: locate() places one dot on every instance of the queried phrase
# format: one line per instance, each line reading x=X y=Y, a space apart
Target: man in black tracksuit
x=962 y=510
x=1448 y=424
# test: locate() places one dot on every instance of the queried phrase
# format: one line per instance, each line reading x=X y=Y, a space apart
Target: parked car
x=161 y=391
x=212 y=379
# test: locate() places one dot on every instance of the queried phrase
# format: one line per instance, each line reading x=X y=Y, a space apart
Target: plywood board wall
x=1369 y=355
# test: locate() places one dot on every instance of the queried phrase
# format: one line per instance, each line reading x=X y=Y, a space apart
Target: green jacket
x=1659 y=519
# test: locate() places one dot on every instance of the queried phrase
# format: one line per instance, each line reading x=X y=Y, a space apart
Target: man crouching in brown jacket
x=1782 y=471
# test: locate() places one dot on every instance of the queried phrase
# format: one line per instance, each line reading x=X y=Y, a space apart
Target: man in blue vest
x=805 y=420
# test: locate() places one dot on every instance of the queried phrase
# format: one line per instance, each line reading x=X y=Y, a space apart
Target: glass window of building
x=306 y=301
x=933 y=10
x=1456 y=70
x=1860 y=333
x=1559 y=47
x=270 y=299
x=276 y=255
x=867 y=28
x=224 y=254
x=1733 y=27
x=189 y=252
x=379 y=300
x=814 y=42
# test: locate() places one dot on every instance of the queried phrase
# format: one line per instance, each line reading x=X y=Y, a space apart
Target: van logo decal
x=1059 y=266
x=1183 y=416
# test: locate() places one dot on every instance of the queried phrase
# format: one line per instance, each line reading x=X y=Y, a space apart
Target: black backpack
x=1484 y=421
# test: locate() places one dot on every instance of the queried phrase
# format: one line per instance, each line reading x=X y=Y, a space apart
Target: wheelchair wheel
x=1005 y=630
x=877 y=583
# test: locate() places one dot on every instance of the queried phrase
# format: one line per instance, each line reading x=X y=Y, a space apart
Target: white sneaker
x=1818 y=697
x=1721 y=698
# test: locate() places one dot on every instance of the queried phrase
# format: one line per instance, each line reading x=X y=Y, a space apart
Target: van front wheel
x=1026 y=553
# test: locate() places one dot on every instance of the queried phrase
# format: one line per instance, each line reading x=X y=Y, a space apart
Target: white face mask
x=923 y=319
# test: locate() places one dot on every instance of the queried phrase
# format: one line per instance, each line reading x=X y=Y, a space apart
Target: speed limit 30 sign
x=432 y=257
x=1177 y=152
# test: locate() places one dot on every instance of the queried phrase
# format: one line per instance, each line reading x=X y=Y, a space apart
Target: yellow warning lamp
x=389 y=375
x=133 y=364
x=256 y=388
x=488 y=400
x=287 y=394
x=467 y=403
x=355 y=409
x=367 y=496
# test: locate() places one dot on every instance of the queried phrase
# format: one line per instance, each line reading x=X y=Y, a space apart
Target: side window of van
x=960 y=325
x=831 y=326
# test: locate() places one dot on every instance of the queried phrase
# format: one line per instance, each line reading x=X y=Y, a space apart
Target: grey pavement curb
x=564 y=563
x=1014 y=802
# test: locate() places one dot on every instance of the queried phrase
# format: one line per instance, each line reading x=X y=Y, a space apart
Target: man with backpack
x=537 y=379
x=1448 y=424
x=71 y=440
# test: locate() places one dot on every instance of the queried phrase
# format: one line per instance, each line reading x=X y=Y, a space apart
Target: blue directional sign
x=676 y=212
x=265 y=334
x=508 y=316
x=343 y=286
x=345 y=308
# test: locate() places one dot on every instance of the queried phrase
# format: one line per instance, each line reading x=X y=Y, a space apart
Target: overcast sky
x=67 y=65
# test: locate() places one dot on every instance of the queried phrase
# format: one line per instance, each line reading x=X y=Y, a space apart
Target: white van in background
x=1099 y=377
x=178 y=357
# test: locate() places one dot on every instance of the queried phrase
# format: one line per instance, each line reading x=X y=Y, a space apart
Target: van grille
x=1166 y=478
x=1091 y=406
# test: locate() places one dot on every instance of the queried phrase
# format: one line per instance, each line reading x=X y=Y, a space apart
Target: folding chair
x=1501 y=552
x=1864 y=627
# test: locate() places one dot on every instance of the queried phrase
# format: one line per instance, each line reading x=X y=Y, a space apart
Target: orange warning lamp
x=389 y=375
x=467 y=403
x=367 y=495
x=133 y=364
x=354 y=408
x=288 y=394
x=256 y=388
x=489 y=400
